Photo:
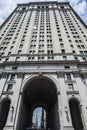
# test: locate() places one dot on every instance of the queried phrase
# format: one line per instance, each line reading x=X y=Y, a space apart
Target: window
x=12 y=77
x=66 y=67
x=9 y=88
x=73 y=52
x=68 y=76
x=76 y=58
x=50 y=51
x=71 y=87
x=19 y=51
x=63 y=50
x=84 y=59
x=81 y=52
x=9 y=53
x=6 y=59
x=85 y=52
x=64 y=57
x=11 y=47
x=21 y=45
x=14 y=67
x=17 y=58
x=40 y=57
x=50 y=57
x=71 y=46
x=31 y=58
x=62 y=45
x=60 y=39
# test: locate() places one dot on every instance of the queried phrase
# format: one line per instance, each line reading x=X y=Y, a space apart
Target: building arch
x=28 y=79
x=4 y=110
x=39 y=91
x=75 y=110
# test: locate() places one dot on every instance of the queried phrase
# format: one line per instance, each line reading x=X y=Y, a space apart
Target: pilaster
x=14 y=103
x=64 y=102
x=83 y=101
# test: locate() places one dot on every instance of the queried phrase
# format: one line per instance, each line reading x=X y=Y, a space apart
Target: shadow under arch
x=75 y=111
x=39 y=91
x=4 y=110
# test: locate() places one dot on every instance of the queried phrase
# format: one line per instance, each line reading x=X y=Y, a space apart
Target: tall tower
x=43 y=63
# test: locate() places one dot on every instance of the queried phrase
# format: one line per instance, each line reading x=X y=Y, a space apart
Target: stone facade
x=43 y=45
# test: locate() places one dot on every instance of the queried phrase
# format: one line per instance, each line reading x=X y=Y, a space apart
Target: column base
x=85 y=128
x=68 y=128
x=8 y=127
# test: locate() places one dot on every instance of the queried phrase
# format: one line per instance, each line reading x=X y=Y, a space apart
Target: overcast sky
x=7 y=6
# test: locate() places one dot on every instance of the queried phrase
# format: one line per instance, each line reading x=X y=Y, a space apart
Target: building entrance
x=39 y=92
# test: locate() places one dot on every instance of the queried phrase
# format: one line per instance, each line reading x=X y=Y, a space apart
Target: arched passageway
x=76 y=114
x=39 y=92
x=4 y=109
x=39 y=118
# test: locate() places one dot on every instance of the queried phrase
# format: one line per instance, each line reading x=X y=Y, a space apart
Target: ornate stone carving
x=20 y=75
x=40 y=73
x=67 y=116
x=60 y=74
x=76 y=74
x=12 y=112
x=84 y=75
x=4 y=75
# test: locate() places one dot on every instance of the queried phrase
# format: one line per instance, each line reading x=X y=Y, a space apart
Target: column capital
x=84 y=75
x=60 y=74
x=20 y=75
x=4 y=74
x=76 y=74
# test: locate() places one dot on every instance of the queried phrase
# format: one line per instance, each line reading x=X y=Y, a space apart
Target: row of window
x=70 y=87
x=67 y=77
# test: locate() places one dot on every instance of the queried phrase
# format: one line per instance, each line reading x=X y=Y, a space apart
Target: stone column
x=12 y=115
x=17 y=100
x=65 y=112
x=83 y=101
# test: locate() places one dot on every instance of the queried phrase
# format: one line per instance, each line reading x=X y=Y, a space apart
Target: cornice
x=60 y=74
x=42 y=2
x=40 y=62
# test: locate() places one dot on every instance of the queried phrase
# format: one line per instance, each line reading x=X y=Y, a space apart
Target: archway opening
x=39 y=118
x=76 y=114
x=4 y=109
x=39 y=92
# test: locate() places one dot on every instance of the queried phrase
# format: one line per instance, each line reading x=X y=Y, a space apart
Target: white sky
x=7 y=6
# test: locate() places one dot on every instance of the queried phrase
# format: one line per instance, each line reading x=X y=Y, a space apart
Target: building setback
x=43 y=63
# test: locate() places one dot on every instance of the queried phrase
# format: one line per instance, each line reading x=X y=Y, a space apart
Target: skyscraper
x=43 y=63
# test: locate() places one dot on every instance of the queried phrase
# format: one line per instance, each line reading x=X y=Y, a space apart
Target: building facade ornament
x=40 y=73
x=84 y=75
x=76 y=74
x=20 y=75
x=4 y=75
x=60 y=74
